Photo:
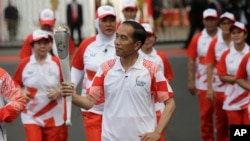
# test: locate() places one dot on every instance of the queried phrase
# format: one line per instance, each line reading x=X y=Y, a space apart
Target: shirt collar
x=244 y=51
x=152 y=54
x=138 y=64
x=34 y=61
x=221 y=40
x=204 y=32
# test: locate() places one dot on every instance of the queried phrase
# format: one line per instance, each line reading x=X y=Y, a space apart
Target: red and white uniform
x=197 y=50
x=244 y=73
x=11 y=95
x=26 y=49
x=237 y=98
x=130 y=96
x=37 y=79
x=216 y=48
x=91 y=53
x=161 y=60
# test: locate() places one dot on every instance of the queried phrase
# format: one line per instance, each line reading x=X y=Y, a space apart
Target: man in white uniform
x=128 y=86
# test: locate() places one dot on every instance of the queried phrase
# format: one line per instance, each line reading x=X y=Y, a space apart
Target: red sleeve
x=168 y=73
x=26 y=49
x=8 y=114
x=71 y=46
x=56 y=59
x=16 y=102
x=77 y=60
x=192 y=47
x=242 y=71
x=221 y=66
x=18 y=74
x=96 y=89
x=211 y=52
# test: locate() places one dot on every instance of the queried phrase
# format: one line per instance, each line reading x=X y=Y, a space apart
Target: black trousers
x=78 y=29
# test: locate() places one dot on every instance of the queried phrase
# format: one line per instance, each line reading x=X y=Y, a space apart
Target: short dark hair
x=140 y=33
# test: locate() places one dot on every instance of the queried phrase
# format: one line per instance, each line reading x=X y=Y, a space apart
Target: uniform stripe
x=47 y=108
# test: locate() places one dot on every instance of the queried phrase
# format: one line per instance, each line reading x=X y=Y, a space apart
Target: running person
x=128 y=86
x=40 y=76
x=91 y=53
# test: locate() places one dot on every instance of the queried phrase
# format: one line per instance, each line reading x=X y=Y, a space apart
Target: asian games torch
x=61 y=36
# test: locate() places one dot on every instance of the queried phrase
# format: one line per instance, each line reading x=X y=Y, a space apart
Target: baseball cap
x=47 y=17
x=40 y=34
x=210 y=13
x=129 y=4
x=148 y=28
x=238 y=25
x=227 y=15
x=105 y=10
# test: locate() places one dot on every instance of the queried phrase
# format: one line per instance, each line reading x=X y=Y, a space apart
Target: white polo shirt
x=215 y=50
x=88 y=59
x=129 y=98
x=40 y=109
x=197 y=50
x=228 y=65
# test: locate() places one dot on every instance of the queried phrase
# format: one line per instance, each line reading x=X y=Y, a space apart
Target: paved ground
x=185 y=122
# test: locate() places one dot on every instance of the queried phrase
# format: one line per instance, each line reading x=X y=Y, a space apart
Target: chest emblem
x=139 y=82
x=92 y=54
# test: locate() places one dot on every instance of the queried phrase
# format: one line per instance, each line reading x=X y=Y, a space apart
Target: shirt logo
x=231 y=61
x=61 y=46
x=92 y=54
x=139 y=82
x=30 y=71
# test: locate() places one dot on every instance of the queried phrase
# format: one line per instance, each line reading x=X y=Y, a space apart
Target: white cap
x=47 y=17
x=238 y=25
x=228 y=15
x=129 y=4
x=210 y=13
x=40 y=34
x=148 y=28
x=105 y=10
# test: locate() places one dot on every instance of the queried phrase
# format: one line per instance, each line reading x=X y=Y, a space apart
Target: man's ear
x=138 y=45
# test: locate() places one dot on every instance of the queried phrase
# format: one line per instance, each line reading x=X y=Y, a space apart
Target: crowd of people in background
x=125 y=80
x=240 y=9
x=215 y=56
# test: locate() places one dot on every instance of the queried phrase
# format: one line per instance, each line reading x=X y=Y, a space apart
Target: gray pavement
x=184 y=125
